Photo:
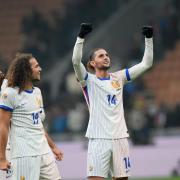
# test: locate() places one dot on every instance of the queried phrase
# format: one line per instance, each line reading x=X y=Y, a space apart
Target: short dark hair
x=91 y=57
x=20 y=72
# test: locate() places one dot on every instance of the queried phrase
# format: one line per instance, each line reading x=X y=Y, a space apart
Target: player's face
x=36 y=70
x=101 y=60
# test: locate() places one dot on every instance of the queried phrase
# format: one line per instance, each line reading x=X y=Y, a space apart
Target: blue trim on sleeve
x=86 y=77
x=127 y=75
x=6 y=108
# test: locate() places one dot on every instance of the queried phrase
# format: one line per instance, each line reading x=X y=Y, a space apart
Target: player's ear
x=92 y=63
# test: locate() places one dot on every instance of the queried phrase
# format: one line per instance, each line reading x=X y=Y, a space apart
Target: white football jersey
x=27 y=136
x=104 y=97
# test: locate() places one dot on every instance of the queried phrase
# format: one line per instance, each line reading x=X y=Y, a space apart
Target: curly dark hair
x=20 y=72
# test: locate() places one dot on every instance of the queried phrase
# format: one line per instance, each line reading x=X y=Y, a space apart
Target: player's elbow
x=76 y=60
x=75 y=64
x=150 y=60
x=146 y=66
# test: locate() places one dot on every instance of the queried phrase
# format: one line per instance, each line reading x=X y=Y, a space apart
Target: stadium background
x=48 y=30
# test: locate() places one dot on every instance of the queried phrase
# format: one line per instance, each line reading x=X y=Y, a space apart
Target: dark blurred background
x=48 y=30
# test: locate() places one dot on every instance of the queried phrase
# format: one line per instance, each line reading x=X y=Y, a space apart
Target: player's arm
x=5 y=117
x=57 y=152
x=79 y=68
x=147 y=60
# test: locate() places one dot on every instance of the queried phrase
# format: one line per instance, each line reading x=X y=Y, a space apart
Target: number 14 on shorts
x=127 y=163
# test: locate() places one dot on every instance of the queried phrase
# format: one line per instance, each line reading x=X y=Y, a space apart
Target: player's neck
x=102 y=73
x=29 y=86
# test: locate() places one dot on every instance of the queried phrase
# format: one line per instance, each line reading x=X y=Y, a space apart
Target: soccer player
x=108 y=149
x=21 y=106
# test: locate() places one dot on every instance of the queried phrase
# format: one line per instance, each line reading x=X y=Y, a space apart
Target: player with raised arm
x=108 y=148
x=21 y=105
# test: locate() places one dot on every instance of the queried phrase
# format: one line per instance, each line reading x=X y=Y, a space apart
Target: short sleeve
x=39 y=95
x=42 y=112
x=7 y=99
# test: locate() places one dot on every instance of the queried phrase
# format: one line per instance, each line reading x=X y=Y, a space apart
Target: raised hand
x=85 y=29
x=147 y=31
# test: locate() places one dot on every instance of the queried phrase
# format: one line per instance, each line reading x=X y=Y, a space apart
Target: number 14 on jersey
x=111 y=99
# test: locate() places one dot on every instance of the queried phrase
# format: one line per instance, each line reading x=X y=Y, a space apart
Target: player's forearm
x=85 y=29
x=146 y=62
x=77 y=51
x=4 y=130
x=50 y=141
x=76 y=60
x=148 y=54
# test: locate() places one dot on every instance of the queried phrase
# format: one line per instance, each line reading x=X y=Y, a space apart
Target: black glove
x=85 y=29
x=147 y=31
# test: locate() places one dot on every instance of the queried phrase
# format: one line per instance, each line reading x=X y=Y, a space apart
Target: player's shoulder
x=9 y=92
x=90 y=76
x=37 y=90
x=119 y=73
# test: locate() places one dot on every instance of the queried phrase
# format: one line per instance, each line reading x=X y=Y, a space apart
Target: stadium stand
x=12 y=13
x=163 y=80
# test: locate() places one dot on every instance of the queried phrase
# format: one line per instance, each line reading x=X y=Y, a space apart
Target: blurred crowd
x=49 y=39
x=145 y=115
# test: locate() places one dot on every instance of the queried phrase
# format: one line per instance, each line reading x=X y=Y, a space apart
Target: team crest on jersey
x=115 y=84
x=22 y=178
